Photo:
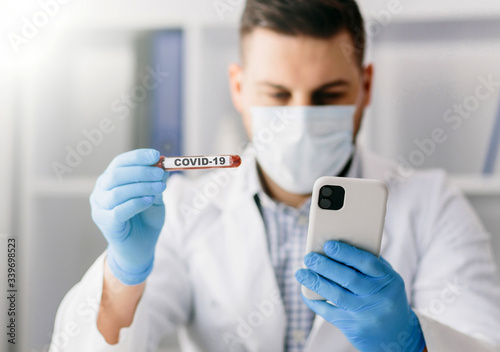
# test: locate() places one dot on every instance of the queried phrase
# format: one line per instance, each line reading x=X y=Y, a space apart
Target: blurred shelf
x=156 y=22
x=477 y=185
x=471 y=185
x=430 y=17
x=169 y=15
x=78 y=187
x=429 y=10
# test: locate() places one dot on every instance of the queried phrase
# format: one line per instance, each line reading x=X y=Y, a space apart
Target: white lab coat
x=213 y=278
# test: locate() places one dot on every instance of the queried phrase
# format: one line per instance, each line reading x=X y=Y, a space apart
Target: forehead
x=290 y=60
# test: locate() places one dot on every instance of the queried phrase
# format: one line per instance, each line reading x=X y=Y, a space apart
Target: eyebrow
x=338 y=83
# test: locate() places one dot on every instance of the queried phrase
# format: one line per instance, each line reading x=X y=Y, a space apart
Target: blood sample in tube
x=198 y=162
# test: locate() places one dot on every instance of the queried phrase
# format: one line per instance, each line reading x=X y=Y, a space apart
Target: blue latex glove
x=369 y=300
x=128 y=208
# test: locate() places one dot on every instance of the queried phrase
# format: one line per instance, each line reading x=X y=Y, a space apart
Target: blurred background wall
x=72 y=96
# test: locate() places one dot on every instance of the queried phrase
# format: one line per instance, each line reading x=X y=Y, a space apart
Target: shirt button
x=303 y=220
x=298 y=335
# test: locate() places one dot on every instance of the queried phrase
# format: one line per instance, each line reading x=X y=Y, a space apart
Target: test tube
x=198 y=162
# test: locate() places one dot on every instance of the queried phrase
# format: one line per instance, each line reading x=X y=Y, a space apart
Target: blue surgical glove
x=128 y=208
x=366 y=298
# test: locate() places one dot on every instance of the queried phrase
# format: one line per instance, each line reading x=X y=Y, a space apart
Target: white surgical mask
x=295 y=145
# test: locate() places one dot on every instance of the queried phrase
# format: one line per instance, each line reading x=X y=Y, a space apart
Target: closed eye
x=326 y=97
x=329 y=95
x=280 y=95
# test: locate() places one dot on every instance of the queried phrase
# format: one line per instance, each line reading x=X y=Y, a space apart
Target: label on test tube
x=198 y=162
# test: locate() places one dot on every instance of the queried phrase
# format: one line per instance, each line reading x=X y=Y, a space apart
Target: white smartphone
x=350 y=210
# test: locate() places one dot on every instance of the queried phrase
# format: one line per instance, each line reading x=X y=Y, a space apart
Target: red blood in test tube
x=235 y=160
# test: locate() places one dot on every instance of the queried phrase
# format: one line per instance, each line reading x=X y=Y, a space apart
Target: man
x=227 y=272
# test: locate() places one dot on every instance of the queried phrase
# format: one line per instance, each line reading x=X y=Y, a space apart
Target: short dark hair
x=315 y=18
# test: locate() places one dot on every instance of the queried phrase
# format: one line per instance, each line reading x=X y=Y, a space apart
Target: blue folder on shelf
x=494 y=146
x=166 y=100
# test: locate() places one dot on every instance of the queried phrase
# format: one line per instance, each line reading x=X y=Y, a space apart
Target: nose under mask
x=295 y=145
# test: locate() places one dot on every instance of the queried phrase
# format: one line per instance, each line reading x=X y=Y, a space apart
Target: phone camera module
x=331 y=197
x=326 y=191
x=325 y=203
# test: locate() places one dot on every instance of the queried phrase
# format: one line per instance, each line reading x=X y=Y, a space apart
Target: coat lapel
x=257 y=291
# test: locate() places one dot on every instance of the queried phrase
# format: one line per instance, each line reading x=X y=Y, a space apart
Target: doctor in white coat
x=200 y=256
